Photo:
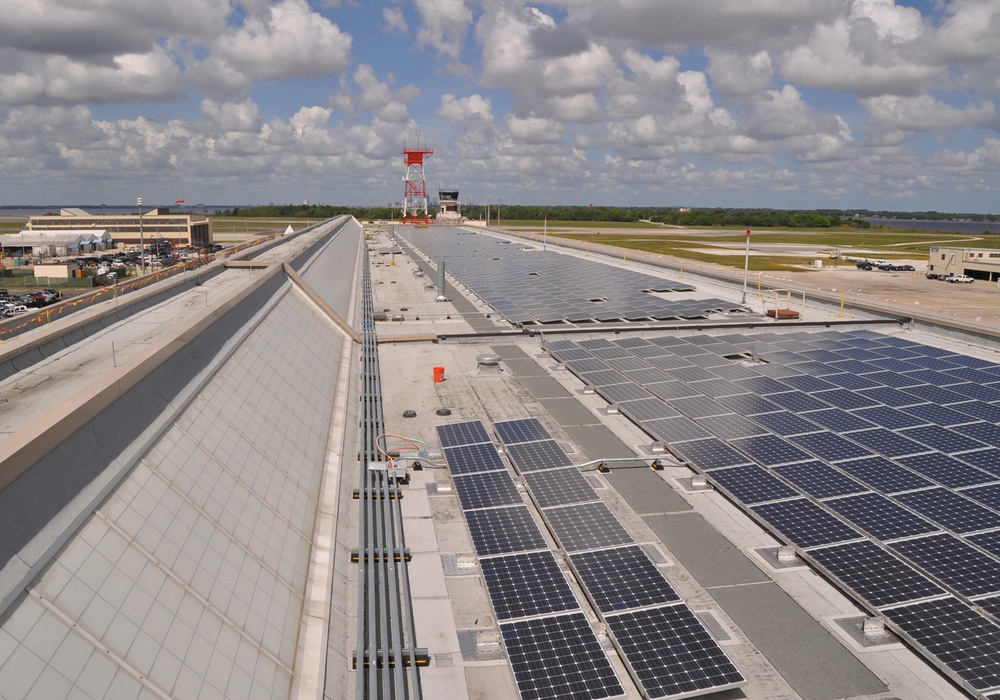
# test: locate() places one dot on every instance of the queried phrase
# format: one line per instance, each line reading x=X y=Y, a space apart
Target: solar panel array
x=553 y=650
x=878 y=457
x=530 y=286
x=666 y=648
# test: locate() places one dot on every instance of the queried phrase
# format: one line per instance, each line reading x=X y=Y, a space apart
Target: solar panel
x=646 y=409
x=603 y=377
x=977 y=391
x=848 y=381
x=887 y=442
x=947 y=470
x=990 y=541
x=942 y=439
x=830 y=446
x=958 y=565
x=709 y=453
x=891 y=397
x=504 y=530
x=554 y=487
x=752 y=484
x=625 y=392
x=465 y=433
x=884 y=475
x=524 y=585
x=804 y=523
x=731 y=425
x=807 y=382
x=674 y=430
x=749 y=404
x=888 y=417
x=699 y=407
x=668 y=391
x=770 y=450
x=977 y=409
x=784 y=423
x=586 y=526
x=819 y=480
x=987 y=432
x=487 y=489
x=521 y=430
x=879 y=516
x=988 y=460
x=875 y=575
x=989 y=495
x=587 y=364
x=762 y=385
x=960 y=638
x=939 y=415
x=670 y=652
x=951 y=510
x=935 y=394
x=717 y=388
x=621 y=578
x=844 y=398
x=648 y=376
x=468 y=459
x=838 y=420
x=559 y=657
x=542 y=454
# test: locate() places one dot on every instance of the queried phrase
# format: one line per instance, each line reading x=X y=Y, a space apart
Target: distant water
x=973 y=227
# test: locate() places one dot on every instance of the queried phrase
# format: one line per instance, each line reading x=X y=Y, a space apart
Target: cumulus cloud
x=393 y=21
x=444 y=26
x=288 y=40
x=924 y=113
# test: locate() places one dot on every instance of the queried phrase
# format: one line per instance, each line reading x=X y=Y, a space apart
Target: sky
x=764 y=103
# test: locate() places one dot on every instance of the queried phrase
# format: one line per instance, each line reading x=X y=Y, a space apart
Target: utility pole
x=142 y=240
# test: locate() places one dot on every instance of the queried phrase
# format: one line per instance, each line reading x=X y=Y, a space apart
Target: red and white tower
x=415 y=186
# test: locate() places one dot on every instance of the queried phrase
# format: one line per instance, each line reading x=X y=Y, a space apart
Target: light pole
x=746 y=269
x=545 y=231
x=142 y=244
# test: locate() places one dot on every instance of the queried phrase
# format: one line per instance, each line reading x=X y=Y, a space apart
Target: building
x=449 y=206
x=977 y=263
x=180 y=229
x=204 y=488
x=55 y=243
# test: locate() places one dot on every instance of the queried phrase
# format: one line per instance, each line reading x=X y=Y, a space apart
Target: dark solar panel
x=699 y=407
x=977 y=409
x=752 y=484
x=988 y=460
x=884 y=475
x=877 y=576
x=762 y=385
x=797 y=401
x=819 y=480
x=887 y=442
x=671 y=653
x=603 y=377
x=521 y=430
x=559 y=657
x=986 y=432
x=838 y=420
x=951 y=510
x=960 y=638
x=990 y=541
x=621 y=578
x=977 y=391
x=958 y=565
x=890 y=397
x=942 y=439
x=785 y=423
x=646 y=409
x=947 y=470
x=888 y=417
x=732 y=425
x=648 y=376
x=830 y=446
x=717 y=388
x=487 y=489
x=850 y=381
x=554 y=487
x=770 y=450
x=804 y=523
x=709 y=453
x=939 y=415
x=586 y=526
x=627 y=364
x=468 y=459
x=880 y=517
x=749 y=404
x=844 y=398
x=676 y=429
x=466 y=433
x=989 y=495
x=668 y=391
x=504 y=530
x=524 y=585
x=542 y=454
x=935 y=394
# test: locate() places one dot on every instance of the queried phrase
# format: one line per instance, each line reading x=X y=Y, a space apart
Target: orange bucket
x=439 y=374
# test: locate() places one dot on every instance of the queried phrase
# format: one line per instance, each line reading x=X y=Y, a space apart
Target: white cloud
x=393 y=21
x=288 y=40
x=924 y=113
x=445 y=24
x=532 y=129
x=739 y=75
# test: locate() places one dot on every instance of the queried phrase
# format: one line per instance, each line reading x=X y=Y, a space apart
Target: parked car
x=864 y=265
x=960 y=279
